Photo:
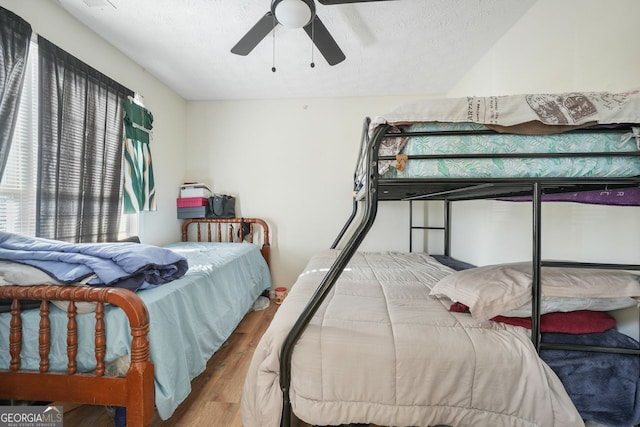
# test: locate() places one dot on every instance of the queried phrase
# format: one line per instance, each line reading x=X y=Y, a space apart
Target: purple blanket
x=621 y=196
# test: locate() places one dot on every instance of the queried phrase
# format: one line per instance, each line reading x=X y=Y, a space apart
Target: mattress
x=570 y=167
x=190 y=318
x=380 y=350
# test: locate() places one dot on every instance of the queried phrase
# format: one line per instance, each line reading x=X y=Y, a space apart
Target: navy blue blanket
x=602 y=386
x=128 y=265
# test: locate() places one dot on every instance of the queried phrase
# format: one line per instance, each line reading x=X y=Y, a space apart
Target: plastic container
x=280 y=294
x=191 y=202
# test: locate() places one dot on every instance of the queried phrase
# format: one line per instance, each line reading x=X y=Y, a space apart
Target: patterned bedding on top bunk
x=522 y=119
x=509 y=143
x=190 y=318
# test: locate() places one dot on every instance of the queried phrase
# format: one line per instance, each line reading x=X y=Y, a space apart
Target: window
x=18 y=188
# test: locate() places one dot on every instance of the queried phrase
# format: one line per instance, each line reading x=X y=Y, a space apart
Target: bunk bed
x=108 y=345
x=377 y=337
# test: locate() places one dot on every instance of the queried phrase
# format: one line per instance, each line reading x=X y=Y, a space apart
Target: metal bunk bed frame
x=449 y=190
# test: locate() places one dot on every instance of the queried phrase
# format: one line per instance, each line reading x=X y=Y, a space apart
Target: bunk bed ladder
x=445 y=227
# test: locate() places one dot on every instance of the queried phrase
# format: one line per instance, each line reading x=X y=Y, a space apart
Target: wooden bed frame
x=231 y=235
x=135 y=390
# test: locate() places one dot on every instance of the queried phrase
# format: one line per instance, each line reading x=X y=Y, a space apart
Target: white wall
x=562 y=46
x=290 y=162
x=169 y=109
x=558 y=46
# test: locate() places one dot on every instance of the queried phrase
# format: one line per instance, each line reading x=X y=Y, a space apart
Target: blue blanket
x=604 y=387
x=128 y=265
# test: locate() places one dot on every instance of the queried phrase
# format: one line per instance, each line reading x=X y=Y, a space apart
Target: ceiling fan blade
x=332 y=2
x=324 y=42
x=255 y=35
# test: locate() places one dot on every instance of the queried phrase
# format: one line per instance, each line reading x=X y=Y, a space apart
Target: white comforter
x=381 y=350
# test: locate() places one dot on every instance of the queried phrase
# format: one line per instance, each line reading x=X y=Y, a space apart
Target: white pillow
x=496 y=289
x=562 y=304
x=13 y=273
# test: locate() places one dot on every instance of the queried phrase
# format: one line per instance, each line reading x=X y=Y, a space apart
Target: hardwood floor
x=215 y=395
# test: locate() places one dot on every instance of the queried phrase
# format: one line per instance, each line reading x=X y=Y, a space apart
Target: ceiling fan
x=296 y=14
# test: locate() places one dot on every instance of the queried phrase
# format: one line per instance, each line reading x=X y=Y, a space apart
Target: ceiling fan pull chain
x=273 y=68
x=313 y=26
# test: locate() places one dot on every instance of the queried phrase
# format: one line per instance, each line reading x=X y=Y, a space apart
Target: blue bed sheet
x=190 y=319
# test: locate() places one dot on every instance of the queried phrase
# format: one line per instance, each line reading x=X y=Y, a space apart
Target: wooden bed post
x=140 y=385
x=135 y=390
x=266 y=244
x=140 y=378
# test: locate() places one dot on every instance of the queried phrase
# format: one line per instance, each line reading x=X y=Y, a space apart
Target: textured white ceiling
x=401 y=47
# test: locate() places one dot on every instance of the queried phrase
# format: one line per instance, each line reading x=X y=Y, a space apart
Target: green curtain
x=139 y=186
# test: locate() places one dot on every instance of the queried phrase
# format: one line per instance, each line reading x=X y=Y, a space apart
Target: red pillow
x=571 y=322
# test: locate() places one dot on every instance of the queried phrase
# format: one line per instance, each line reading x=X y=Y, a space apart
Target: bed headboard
x=255 y=230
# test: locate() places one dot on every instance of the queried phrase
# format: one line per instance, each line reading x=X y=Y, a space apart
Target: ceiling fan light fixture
x=293 y=13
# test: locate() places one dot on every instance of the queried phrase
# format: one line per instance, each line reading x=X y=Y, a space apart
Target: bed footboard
x=134 y=391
